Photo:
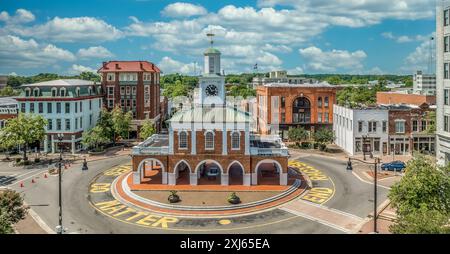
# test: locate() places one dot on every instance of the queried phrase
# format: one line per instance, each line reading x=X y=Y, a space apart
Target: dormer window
x=27 y=92
x=62 y=92
x=78 y=92
x=54 y=92
x=89 y=90
x=36 y=92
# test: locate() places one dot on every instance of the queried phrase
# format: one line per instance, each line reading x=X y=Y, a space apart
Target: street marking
x=224 y=222
x=100 y=187
x=117 y=171
x=318 y=195
x=116 y=209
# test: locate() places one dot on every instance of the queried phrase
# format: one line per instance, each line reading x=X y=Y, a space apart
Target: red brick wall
x=176 y=149
x=242 y=144
x=201 y=143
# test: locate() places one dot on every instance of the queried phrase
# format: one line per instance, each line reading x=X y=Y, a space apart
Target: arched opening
x=182 y=171
x=301 y=110
x=209 y=172
x=236 y=174
x=268 y=172
x=151 y=171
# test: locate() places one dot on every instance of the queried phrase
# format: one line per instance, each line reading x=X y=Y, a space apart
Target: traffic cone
x=45 y=175
x=65 y=166
x=21 y=184
x=32 y=180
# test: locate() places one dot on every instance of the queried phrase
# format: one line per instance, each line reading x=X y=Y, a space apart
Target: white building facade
x=359 y=129
x=70 y=106
x=443 y=82
x=424 y=83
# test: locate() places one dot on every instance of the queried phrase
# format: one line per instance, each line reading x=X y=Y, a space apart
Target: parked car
x=393 y=166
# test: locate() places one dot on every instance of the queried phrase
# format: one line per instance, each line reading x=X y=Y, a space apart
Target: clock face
x=211 y=90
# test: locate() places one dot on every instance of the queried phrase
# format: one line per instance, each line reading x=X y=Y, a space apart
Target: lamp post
x=377 y=161
x=59 y=228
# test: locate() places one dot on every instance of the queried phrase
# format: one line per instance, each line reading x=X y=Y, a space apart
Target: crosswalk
x=8 y=179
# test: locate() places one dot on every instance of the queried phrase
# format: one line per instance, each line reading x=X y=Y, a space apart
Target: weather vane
x=211 y=37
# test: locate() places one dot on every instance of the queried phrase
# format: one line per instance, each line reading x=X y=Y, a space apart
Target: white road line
x=21 y=180
x=362 y=180
x=40 y=222
x=326 y=223
x=331 y=209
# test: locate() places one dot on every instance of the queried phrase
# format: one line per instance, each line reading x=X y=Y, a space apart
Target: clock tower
x=212 y=83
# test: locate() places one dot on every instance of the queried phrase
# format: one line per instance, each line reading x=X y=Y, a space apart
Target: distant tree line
x=17 y=81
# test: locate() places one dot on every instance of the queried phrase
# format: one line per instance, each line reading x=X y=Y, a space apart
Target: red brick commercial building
x=134 y=86
x=409 y=129
x=387 y=98
x=295 y=105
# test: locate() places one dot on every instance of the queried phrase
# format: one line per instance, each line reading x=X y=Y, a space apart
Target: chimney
x=153 y=66
x=104 y=65
x=117 y=66
x=142 y=66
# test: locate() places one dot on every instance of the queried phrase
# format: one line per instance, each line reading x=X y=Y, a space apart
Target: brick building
x=284 y=105
x=210 y=142
x=399 y=98
x=134 y=86
x=409 y=129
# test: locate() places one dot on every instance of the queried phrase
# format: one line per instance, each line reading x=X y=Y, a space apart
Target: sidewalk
x=386 y=218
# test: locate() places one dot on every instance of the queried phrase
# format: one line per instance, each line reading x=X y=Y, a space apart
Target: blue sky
x=301 y=36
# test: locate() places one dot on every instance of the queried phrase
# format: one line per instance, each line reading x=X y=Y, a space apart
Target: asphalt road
x=351 y=196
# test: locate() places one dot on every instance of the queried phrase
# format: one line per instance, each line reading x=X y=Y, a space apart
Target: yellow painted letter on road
x=164 y=222
x=100 y=187
x=318 y=195
x=149 y=219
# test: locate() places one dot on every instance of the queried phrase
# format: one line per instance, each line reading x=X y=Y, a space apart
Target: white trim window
x=235 y=141
x=209 y=140
x=182 y=140
x=399 y=126
x=111 y=77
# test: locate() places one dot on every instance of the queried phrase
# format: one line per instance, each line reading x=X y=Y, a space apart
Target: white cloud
x=95 y=52
x=332 y=61
x=21 y=53
x=183 y=10
x=358 y=13
x=87 y=29
x=169 y=65
x=404 y=38
x=21 y=16
x=419 y=59
x=77 y=69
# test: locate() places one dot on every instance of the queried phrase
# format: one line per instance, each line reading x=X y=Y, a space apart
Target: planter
x=173 y=197
x=234 y=199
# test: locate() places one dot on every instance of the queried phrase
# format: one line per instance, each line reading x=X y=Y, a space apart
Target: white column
x=247 y=142
x=283 y=178
x=53 y=144
x=170 y=141
x=193 y=178
x=164 y=177
x=46 y=144
x=224 y=141
x=73 y=144
x=224 y=179
x=193 y=142
x=254 y=179
x=137 y=177
x=247 y=180
x=172 y=179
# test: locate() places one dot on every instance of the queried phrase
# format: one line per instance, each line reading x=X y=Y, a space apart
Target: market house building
x=71 y=106
x=8 y=110
x=283 y=105
x=134 y=86
x=211 y=142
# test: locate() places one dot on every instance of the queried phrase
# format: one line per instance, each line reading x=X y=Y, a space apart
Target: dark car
x=394 y=166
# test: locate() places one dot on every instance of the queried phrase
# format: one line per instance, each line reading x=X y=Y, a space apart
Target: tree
x=89 y=76
x=242 y=91
x=323 y=136
x=94 y=137
x=106 y=124
x=121 y=123
x=147 y=130
x=24 y=130
x=422 y=198
x=8 y=91
x=12 y=210
x=431 y=128
x=297 y=134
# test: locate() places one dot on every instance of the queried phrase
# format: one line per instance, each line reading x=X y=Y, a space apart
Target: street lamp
x=59 y=228
x=377 y=161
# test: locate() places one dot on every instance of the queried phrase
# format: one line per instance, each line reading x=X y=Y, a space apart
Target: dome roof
x=212 y=51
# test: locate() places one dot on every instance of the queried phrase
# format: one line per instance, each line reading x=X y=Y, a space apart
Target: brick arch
x=209 y=160
x=179 y=162
x=238 y=162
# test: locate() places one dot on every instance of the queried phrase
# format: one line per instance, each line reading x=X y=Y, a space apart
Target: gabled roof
x=128 y=66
